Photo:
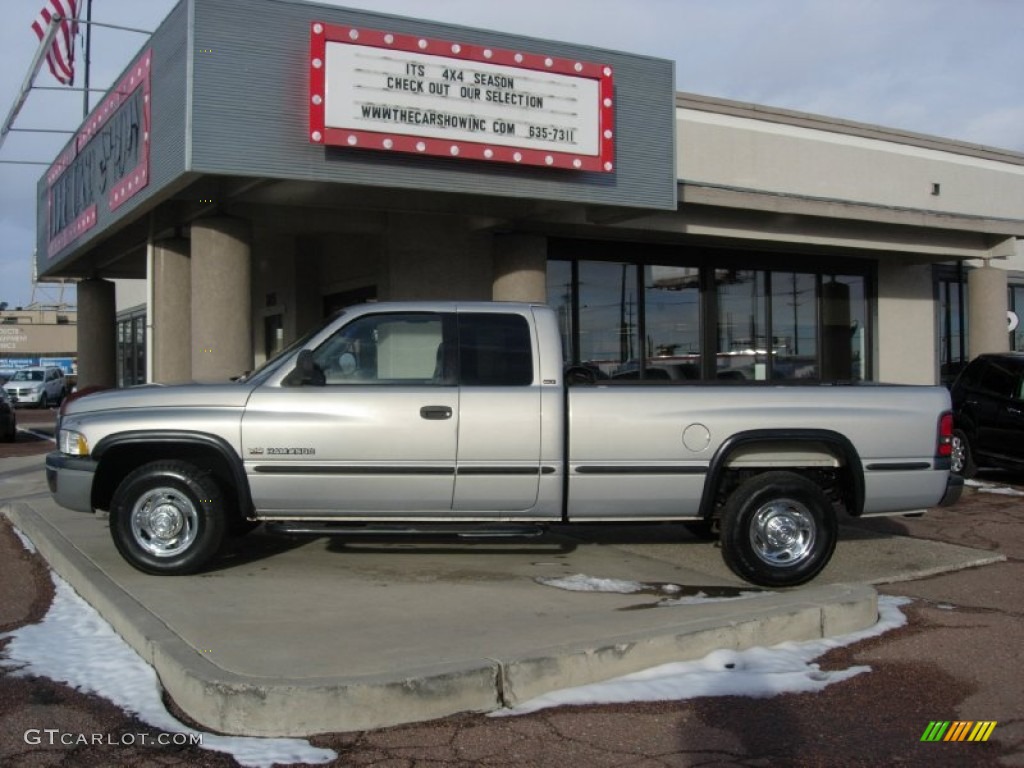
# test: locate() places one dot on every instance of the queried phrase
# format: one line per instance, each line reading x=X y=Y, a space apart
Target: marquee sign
x=404 y=93
x=108 y=160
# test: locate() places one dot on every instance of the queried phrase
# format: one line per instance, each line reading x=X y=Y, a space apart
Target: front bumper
x=27 y=398
x=70 y=480
x=954 y=487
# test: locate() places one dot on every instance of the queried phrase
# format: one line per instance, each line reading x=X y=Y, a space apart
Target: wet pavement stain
x=674 y=594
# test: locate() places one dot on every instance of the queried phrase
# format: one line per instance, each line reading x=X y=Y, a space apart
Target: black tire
x=705 y=530
x=778 y=530
x=962 y=458
x=168 y=518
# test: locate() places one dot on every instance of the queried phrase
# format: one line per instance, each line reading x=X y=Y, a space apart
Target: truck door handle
x=436 y=412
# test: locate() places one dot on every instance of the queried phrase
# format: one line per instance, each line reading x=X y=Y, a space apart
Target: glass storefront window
x=844 y=331
x=672 y=322
x=609 y=317
x=560 y=299
x=131 y=351
x=1017 y=306
x=794 y=326
x=952 y=330
x=140 y=350
x=742 y=325
x=121 y=347
x=675 y=322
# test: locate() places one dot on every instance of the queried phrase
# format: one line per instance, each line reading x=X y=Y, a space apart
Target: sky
x=942 y=67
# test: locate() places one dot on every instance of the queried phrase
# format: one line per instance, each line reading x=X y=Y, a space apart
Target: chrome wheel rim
x=958 y=455
x=782 y=532
x=164 y=522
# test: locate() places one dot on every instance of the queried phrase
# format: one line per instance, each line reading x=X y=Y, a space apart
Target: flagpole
x=26 y=86
x=88 y=51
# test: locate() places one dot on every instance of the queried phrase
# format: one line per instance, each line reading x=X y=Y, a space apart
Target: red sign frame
x=132 y=181
x=319 y=133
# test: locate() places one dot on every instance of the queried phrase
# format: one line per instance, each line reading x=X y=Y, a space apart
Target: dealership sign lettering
x=404 y=93
x=106 y=163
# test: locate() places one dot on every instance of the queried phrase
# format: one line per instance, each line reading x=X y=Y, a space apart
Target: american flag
x=61 y=56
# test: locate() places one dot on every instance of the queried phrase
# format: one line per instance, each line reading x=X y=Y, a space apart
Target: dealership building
x=263 y=163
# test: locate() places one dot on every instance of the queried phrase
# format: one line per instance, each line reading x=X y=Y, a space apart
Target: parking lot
x=35 y=433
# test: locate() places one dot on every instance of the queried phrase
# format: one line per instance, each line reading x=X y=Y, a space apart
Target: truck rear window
x=494 y=350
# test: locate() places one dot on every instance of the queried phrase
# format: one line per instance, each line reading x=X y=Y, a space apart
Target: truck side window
x=494 y=350
x=401 y=348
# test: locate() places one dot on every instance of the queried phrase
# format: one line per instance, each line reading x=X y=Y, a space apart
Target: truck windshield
x=272 y=363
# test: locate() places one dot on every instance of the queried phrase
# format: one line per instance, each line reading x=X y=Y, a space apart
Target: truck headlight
x=72 y=443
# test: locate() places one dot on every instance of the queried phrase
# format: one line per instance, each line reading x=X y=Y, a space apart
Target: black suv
x=988 y=414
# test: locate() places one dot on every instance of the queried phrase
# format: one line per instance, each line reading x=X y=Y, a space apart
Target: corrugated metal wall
x=251 y=114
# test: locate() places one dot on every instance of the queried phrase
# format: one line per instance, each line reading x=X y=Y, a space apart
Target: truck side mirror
x=306 y=372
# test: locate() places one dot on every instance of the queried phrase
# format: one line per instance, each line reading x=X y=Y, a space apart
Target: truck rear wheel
x=778 y=530
x=962 y=460
x=168 y=518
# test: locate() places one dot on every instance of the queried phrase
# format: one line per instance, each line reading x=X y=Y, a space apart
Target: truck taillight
x=945 y=449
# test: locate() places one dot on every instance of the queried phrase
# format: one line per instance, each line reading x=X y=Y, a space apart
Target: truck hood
x=227 y=395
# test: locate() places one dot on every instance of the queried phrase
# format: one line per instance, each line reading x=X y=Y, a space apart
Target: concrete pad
x=293 y=637
x=862 y=556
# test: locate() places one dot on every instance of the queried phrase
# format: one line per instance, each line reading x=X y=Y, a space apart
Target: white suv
x=37 y=386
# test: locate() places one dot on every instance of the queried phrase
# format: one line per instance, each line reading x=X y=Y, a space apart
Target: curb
x=228 y=702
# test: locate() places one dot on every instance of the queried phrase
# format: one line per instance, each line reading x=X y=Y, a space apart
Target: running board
x=480 y=531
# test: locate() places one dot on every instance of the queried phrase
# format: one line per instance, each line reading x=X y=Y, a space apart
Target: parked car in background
x=38 y=386
x=8 y=419
x=988 y=414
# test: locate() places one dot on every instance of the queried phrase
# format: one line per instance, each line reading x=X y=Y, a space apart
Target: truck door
x=499 y=453
x=377 y=437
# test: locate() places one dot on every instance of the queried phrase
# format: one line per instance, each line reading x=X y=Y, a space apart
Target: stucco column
x=221 y=309
x=986 y=317
x=520 y=268
x=434 y=257
x=905 y=332
x=171 y=312
x=97 y=334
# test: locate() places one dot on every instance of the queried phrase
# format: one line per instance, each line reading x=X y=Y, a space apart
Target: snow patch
x=756 y=672
x=73 y=644
x=581 y=583
x=1001 y=490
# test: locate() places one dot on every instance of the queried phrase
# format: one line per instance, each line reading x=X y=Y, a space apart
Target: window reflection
x=742 y=320
x=560 y=299
x=1017 y=306
x=766 y=325
x=672 y=322
x=843 y=328
x=609 y=312
x=795 y=324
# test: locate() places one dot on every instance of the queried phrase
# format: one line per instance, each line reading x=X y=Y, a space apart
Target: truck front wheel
x=778 y=530
x=168 y=518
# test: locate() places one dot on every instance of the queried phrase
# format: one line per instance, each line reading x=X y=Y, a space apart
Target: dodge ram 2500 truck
x=428 y=416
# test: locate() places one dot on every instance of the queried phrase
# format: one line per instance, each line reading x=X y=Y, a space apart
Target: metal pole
x=26 y=86
x=88 y=52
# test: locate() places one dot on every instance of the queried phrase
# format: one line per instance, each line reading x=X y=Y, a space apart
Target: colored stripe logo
x=958 y=730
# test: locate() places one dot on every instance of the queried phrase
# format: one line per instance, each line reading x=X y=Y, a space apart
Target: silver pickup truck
x=463 y=417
